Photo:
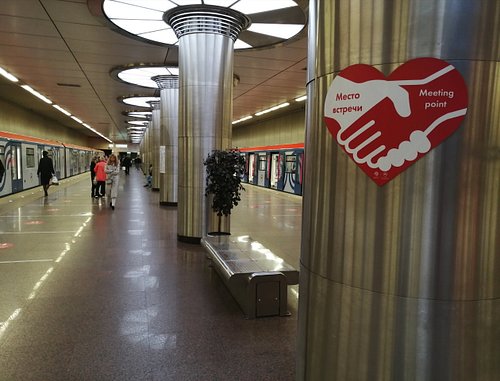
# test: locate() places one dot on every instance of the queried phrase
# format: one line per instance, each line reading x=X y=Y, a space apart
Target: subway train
x=277 y=167
x=20 y=154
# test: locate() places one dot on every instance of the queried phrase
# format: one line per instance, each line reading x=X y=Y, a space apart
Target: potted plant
x=223 y=183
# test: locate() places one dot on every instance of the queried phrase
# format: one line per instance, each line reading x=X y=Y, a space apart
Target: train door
x=262 y=170
x=29 y=166
x=5 y=179
x=251 y=168
x=244 y=176
x=281 y=172
x=58 y=161
x=300 y=169
x=290 y=172
x=16 y=167
x=67 y=161
x=275 y=169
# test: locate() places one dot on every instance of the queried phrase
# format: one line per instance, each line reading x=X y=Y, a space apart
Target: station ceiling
x=64 y=51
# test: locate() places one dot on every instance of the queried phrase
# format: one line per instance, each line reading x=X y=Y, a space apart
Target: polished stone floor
x=88 y=293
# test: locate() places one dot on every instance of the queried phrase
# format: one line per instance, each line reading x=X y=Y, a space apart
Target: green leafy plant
x=224 y=171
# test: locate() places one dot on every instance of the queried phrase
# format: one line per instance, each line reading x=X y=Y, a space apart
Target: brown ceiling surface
x=62 y=50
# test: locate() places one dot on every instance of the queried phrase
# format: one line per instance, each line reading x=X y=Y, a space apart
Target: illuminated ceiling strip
x=7 y=75
x=243 y=119
x=65 y=112
x=300 y=99
x=272 y=109
x=96 y=132
x=36 y=94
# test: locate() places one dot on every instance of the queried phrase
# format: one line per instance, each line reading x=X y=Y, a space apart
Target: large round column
x=155 y=143
x=147 y=146
x=401 y=282
x=169 y=105
x=206 y=41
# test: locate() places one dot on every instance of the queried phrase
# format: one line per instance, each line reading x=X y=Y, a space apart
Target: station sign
x=385 y=124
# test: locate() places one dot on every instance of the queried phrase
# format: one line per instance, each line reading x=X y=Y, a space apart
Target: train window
x=30 y=157
x=16 y=163
x=290 y=163
x=262 y=163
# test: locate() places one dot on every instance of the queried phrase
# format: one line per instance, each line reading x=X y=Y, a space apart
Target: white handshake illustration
x=366 y=95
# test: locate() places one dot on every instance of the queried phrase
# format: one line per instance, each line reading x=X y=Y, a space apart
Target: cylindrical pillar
x=145 y=156
x=206 y=40
x=400 y=282
x=155 y=143
x=169 y=105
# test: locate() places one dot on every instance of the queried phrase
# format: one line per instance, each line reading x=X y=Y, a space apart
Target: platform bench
x=256 y=277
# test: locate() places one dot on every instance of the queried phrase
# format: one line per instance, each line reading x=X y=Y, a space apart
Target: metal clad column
x=401 y=282
x=155 y=143
x=206 y=42
x=147 y=147
x=169 y=105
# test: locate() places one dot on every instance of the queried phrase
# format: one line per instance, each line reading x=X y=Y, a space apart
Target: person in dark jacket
x=93 y=180
x=45 y=171
x=127 y=162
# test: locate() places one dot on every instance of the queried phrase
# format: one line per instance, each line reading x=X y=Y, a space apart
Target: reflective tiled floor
x=87 y=293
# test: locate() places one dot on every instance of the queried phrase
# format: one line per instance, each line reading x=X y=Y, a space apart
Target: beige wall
x=19 y=120
x=286 y=129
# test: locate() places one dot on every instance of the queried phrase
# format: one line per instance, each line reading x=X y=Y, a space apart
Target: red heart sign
x=387 y=124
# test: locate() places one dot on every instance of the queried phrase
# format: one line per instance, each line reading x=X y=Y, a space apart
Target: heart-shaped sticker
x=385 y=124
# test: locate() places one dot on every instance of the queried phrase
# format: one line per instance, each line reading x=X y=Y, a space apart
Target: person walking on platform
x=45 y=171
x=100 y=176
x=127 y=162
x=113 y=172
x=149 y=177
x=138 y=162
x=93 y=180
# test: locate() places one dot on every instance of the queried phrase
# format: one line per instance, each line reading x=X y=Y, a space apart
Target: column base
x=168 y=203
x=191 y=240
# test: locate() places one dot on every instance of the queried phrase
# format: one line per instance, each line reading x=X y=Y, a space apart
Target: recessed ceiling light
x=144 y=19
x=142 y=75
x=139 y=114
x=137 y=122
x=139 y=101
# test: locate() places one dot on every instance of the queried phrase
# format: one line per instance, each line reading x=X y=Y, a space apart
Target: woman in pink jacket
x=100 y=176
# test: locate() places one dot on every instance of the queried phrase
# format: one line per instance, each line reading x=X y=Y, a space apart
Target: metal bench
x=256 y=277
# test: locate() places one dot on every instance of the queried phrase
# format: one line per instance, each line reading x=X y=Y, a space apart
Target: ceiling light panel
x=121 y=10
x=137 y=122
x=140 y=26
x=139 y=114
x=141 y=76
x=165 y=36
x=140 y=101
x=144 y=19
x=259 y=6
x=276 y=30
x=220 y=3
